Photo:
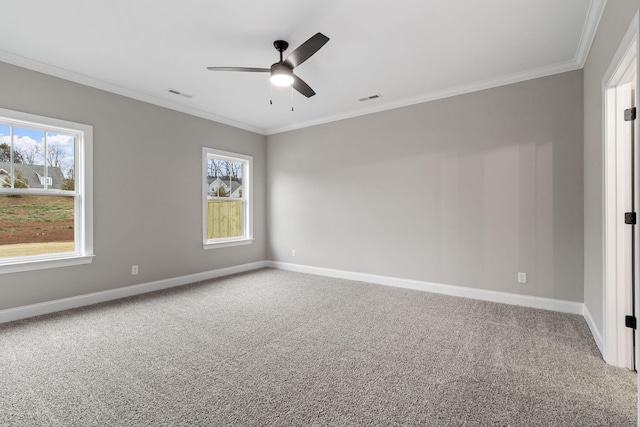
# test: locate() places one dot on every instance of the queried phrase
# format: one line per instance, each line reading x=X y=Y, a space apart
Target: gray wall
x=613 y=25
x=147 y=189
x=465 y=191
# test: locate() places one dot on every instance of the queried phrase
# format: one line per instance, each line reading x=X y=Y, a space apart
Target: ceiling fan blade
x=302 y=87
x=306 y=49
x=251 y=70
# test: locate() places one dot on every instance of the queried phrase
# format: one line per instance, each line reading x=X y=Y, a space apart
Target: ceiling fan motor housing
x=281 y=68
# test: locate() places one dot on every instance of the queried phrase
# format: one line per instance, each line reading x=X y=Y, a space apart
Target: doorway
x=621 y=192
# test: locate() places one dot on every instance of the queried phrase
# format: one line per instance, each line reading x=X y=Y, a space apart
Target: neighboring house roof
x=235 y=185
x=225 y=179
x=34 y=174
x=215 y=183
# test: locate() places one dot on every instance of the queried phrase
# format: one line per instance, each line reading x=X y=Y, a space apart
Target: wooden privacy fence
x=224 y=219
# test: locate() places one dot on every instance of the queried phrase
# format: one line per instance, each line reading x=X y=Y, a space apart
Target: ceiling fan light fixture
x=281 y=75
x=282 y=80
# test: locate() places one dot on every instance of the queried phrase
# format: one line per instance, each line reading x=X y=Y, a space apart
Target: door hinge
x=630 y=114
x=630 y=218
x=630 y=322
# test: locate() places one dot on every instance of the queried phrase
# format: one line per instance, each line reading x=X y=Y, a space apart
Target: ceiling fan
x=282 y=71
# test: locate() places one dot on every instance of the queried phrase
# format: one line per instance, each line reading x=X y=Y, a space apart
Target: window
x=45 y=192
x=42 y=179
x=226 y=210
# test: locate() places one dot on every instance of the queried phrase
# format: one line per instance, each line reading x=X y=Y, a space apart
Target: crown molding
x=594 y=14
x=440 y=94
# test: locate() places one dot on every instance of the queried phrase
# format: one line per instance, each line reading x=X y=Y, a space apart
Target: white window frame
x=247 y=197
x=83 y=193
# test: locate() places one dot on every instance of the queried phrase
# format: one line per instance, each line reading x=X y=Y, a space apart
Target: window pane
x=224 y=219
x=28 y=158
x=224 y=178
x=61 y=161
x=35 y=225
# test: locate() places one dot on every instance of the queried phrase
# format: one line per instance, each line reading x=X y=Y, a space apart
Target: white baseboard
x=438 y=288
x=597 y=336
x=17 y=313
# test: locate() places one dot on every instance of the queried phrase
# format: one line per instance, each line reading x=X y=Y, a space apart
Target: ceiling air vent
x=175 y=92
x=369 y=98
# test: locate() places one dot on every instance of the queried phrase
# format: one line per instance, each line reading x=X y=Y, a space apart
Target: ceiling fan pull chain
x=270 y=93
x=291 y=98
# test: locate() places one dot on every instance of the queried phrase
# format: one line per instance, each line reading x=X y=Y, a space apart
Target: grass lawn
x=36 y=219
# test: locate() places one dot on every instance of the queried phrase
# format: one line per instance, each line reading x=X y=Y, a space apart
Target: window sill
x=227 y=243
x=40 y=264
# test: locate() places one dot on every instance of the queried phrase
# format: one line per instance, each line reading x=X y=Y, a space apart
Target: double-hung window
x=45 y=192
x=226 y=209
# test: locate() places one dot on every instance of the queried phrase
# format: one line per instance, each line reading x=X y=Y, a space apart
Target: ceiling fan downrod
x=280 y=46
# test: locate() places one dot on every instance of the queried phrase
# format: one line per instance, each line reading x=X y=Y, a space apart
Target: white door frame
x=617 y=348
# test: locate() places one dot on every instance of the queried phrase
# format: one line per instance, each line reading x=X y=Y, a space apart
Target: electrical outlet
x=522 y=277
x=134 y=270
x=293 y=252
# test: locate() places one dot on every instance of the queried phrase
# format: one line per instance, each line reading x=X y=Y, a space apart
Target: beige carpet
x=279 y=348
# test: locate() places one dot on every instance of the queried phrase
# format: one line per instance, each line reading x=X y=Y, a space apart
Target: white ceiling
x=408 y=51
